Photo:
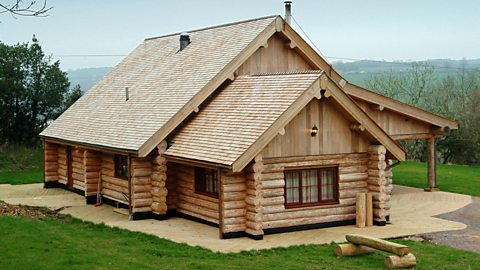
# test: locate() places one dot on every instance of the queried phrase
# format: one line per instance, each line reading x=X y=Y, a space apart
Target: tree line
x=33 y=92
x=454 y=96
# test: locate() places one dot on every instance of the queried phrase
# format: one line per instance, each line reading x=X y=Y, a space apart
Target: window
x=121 y=166
x=206 y=181
x=310 y=187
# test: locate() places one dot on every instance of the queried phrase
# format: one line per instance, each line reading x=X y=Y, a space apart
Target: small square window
x=206 y=181
x=121 y=166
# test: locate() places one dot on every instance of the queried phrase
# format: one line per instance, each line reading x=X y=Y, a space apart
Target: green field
x=452 y=178
x=51 y=244
x=20 y=165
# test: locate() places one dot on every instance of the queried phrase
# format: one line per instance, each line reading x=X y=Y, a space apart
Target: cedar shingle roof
x=240 y=113
x=161 y=80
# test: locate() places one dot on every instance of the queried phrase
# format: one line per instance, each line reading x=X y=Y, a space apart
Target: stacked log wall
x=78 y=168
x=352 y=178
x=62 y=164
x=141 y=186
x=113 y=187
x=189 y=202
x=379 y=182
x=171 y=184
x=51 y=162
x=92 y=164
x=234 y=204
x=255 y=199
x=158 y=190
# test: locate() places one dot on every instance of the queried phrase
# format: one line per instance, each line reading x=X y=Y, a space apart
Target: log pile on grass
x=360 y=245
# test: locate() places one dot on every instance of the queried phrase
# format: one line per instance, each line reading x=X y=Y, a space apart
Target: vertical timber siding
x=276 y=57
x=334 y=133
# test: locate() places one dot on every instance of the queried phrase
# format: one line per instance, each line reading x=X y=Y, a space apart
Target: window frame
x=201 y=187
x=118 y=163
x=320 y=202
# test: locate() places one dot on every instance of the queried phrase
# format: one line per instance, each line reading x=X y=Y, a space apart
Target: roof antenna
x=127 y=97
x=288 y=12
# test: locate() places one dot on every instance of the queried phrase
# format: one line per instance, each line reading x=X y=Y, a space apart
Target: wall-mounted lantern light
x=314 y=131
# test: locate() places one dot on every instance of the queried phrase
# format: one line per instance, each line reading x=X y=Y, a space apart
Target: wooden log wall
x=112 y=187
x=352 y=170
x=255 y=199
x=78 y=168
x=379 y=182
x=92 y=164
x=189 y=202
x=234 y=204
x=141 y=186
x=50 y=156
x=62 y=164
x=158 y=190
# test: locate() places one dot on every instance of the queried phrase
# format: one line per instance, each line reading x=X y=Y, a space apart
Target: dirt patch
x=467 y=239
x=29 y=211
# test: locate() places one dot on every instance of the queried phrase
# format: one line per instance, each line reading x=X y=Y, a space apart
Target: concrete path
x=413 y=212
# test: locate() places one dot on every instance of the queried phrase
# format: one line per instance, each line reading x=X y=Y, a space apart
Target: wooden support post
x=432 y=166
x=369 y=210
x=360 y=209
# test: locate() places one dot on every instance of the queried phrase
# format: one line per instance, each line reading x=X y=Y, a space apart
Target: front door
x=69 y=167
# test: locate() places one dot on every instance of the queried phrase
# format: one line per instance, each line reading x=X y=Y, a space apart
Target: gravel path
x=467 y=239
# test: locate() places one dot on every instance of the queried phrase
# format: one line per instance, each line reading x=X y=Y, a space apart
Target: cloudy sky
x=368 y=29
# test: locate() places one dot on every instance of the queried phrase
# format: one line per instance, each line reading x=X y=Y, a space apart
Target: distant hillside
x=86 y=77
x=357 y=72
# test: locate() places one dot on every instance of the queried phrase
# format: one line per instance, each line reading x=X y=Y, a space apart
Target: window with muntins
x=121 y=166
x=206 y=181
x=309 y=187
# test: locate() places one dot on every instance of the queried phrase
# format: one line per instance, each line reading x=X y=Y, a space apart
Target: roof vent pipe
x=184 y=40
x=288 y=12
x=127 y=97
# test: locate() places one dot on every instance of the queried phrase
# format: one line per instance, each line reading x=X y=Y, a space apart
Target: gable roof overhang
x=333 y=90
x=299 y=44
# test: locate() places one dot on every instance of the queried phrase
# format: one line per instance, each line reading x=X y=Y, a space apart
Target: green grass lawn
x=452 y=178
x=50 y=244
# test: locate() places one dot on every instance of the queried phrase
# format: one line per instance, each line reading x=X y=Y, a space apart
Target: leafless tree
x=28 y=8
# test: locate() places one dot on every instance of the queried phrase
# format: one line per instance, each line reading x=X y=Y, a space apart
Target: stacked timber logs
x=113 y=187
x=62 y=164
x=51 y=162
x=141 y=187
x=78 y=168
x=92 y=164
x=191 y=203
x=234 y=204
x=254 y=199
x=379 y=182
x=159 y=191
x=352 y=171
x=359 y=245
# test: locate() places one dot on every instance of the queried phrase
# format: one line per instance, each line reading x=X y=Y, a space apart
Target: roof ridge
x=215 y=26
x=296 y=72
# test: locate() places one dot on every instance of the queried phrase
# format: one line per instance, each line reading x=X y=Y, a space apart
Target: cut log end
x=395 y=262
x=380 y=244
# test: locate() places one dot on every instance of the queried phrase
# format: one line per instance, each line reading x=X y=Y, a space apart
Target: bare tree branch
x=26 y=8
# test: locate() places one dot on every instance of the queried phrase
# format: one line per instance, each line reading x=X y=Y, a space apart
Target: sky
x=351 y=29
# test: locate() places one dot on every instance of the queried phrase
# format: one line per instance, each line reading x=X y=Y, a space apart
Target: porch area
x=412 y=213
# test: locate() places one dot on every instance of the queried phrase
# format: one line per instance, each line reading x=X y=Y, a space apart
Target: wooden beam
x=380 y=244
x=432 y=165
x=418 y=136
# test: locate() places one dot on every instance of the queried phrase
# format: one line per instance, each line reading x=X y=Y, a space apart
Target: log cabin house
x=242 y=126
